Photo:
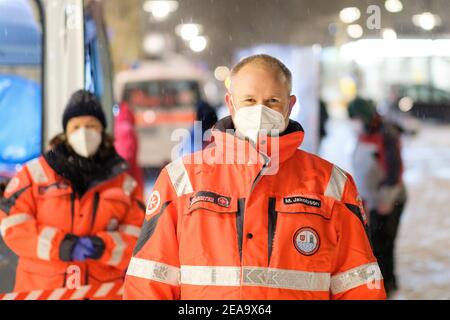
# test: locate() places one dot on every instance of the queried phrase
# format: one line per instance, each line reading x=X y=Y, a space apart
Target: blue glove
x=84 y=248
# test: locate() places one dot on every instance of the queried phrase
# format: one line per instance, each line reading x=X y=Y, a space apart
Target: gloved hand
x=88 y=247
x=388 y=196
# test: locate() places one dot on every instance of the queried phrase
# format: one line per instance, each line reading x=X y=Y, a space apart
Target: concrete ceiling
x=231 y=24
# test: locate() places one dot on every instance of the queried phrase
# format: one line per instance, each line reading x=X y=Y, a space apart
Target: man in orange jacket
x=252 y=216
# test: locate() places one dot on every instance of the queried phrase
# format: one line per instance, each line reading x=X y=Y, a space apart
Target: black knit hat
x=83 y=103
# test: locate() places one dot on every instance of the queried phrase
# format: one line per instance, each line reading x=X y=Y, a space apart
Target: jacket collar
x=84 y=174
x=277 y=149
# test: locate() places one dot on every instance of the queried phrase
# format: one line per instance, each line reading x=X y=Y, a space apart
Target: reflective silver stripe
x=130 y=230
x=129 y=184
x=210 y=276
x=44 y=245
x=13 y=221
x=118 y=250
x=255 y=276
x=152 y=270
x=37 y=172
x=336 y=185
x=287 y=279
x=179 y=177
x=104 y=290
x=367 y=274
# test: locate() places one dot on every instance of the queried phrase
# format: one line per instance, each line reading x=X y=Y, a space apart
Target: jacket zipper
x=94 y=215
x=272 y=227
x=72 y=210
x=94 y=210
x=259 y=176
x=240 y=224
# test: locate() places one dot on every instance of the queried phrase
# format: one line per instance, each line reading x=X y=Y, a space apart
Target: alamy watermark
x=261 y=148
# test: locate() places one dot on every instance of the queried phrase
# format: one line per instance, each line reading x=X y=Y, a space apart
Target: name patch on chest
x=306 y=201
x=55 y=186
x=211 y=197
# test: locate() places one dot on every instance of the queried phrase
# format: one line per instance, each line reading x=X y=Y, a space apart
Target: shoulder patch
x=154 y=202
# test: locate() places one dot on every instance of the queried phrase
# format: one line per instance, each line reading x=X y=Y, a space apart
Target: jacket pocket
x=111 y=209
x=209 y=230
x=303 y=235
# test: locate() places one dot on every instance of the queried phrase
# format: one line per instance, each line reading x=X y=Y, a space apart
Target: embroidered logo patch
x=307 y=241
x=303 y=200
x=153 y=203
x=211 y=197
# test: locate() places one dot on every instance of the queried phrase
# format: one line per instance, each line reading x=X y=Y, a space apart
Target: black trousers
x=383 y=231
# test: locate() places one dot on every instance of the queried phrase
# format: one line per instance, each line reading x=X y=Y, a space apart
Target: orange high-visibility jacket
x=40 y=210
x=229 y=231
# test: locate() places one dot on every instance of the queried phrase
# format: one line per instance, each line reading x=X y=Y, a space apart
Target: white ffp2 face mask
x=259 y=119
x=85 y=142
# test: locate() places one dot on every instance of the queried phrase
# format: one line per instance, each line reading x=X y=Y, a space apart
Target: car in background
x=423 y=102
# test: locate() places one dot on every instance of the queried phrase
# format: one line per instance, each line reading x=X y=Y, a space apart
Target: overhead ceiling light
x=393 y=6
x=160 y=9
x=154 y=44
x=198 y=44
x=427 y=21
x=188 y=31
x=355 y=31
x=349 y=15
x=389 y=34
x=221 y=73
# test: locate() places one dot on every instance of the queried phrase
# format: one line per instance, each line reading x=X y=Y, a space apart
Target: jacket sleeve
x=119 y=244
x=153 y=273
x=353 y=201
x=19 y=227
x=356 y=274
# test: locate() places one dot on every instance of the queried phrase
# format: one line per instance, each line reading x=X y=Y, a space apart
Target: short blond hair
x=267 y=61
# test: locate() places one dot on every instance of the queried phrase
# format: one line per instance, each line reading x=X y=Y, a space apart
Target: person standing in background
x=378 y=169
x=73 y=215
x=127 y=144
